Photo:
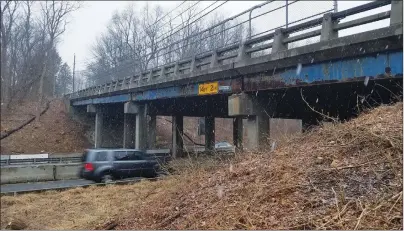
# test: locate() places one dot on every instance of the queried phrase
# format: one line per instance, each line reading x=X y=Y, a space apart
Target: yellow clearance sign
x=208 y=88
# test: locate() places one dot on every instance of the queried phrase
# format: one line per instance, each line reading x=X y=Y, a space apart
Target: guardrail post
x=278 y=44
x=125 y=83
x=242 y=55
x=131 y=82
x=193 y=64
x=396 y=15
x=213 y=60
x=327 y=28
x=150 y=75
x=176 y=69
x=141 y=76
x=162 y=72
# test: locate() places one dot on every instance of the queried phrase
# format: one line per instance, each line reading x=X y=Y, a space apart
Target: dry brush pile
x=342 y=176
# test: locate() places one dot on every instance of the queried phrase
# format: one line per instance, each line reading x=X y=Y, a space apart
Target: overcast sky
x=90 y=21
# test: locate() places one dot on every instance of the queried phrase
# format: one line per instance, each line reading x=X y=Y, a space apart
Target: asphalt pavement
x=21 y=187
x=54 y=185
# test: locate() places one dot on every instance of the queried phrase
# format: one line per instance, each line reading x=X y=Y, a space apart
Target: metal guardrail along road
x=163 y=153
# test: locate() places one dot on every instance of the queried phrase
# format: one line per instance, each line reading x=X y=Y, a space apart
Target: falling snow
x=298 y=69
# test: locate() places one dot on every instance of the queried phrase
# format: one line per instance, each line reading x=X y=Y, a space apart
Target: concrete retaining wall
x=67 y=172
x=33 y=173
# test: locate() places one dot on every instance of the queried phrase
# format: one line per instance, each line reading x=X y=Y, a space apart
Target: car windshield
x=223 y=144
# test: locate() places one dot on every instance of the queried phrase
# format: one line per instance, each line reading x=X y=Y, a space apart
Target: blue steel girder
x=372 y=66
x=224 y=87
x=353 y=69
x=102 y=100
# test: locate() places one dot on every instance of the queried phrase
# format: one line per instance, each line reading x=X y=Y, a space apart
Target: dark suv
x=105 y=165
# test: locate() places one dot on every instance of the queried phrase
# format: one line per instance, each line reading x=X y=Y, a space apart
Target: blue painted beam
x=334 y=71
x=224 y=87
x=82 y=102
x=102 y=100
x=372 y=66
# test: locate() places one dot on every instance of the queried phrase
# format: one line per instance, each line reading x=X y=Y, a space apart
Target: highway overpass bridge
x=335 y=74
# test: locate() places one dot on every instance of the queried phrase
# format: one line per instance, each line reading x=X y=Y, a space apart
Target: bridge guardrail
x=280 y=38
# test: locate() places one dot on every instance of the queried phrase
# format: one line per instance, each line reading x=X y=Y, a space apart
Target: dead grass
x=55 y=133
x=342 y=176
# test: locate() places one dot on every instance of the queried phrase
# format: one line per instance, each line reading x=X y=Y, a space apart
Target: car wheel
x=106 y=178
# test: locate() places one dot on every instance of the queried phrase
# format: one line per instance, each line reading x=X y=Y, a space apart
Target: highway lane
x=53 y=185
x=20 y=187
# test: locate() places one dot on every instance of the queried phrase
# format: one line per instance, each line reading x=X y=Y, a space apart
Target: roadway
x=53 y=185
x=34 y=186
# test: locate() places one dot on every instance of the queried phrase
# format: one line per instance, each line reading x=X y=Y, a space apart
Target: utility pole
x=74 y=68
x=287 y=13
x=335 y=6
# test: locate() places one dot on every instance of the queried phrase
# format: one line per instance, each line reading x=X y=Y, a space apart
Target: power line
x=187 y=25
x=87 y=61
x=183 y=23
x=131 y=63
x=168 y=13
x=182 y=12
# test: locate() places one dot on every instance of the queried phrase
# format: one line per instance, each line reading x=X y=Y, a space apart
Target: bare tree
x=64 y=80
x=7 y=17
x=135 y=42
x=53 y=22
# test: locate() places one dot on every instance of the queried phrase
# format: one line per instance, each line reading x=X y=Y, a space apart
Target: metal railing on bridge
x=274 y=41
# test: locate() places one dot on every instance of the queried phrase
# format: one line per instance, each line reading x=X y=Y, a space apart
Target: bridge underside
x=304 y=86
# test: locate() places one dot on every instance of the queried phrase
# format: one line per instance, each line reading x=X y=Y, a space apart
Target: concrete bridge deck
x=237 y=82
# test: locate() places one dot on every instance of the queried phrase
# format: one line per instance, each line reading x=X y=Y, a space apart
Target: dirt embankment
x=344 y=176
x=56 y=132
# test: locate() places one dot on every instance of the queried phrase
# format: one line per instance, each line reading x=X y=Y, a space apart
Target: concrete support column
x=151 y=132
x=141 y=121
x=140 y=113
x=396 y=15
x=278 y=44
x=327 y=28
x=257 y=125
x=177 y=136
x=209 y=133
x=99 y=123
x=129 y=126
x=238 y=133
x=257 y=131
